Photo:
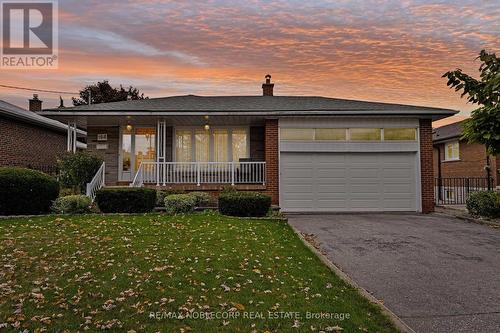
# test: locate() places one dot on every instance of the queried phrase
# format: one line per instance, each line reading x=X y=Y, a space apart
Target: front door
x=138 y=145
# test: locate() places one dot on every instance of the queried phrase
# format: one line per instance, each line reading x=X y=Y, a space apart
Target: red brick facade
x=26 y=145
x=426 y=167
x=472 y=162
x=272 y=159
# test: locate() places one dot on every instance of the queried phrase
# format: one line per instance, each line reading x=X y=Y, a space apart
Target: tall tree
x=103 y=92
x=484 y=124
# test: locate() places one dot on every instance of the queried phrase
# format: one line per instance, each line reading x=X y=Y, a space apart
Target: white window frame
x=193 y=130
x=448 y=158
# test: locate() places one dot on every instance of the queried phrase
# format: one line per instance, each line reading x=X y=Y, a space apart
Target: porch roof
x=248 y=106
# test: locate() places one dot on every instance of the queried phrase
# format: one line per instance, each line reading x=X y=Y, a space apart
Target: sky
x=376 y=50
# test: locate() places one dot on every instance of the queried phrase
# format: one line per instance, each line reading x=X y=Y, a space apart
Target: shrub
x=162 y=194
x=25 y=191
x=78 y=169
x=244 y=204
x=180 y=203
x=72 y=204
x=65 y=191
x=201 y=199
x=126 y=200
x=484 y=203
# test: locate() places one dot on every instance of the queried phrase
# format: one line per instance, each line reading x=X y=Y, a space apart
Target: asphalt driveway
x=438 y=274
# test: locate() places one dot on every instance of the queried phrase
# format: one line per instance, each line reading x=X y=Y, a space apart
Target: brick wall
x=471 y=164
x=110 y=155
x=426 y=166
x=272 y=159
x=26 y=145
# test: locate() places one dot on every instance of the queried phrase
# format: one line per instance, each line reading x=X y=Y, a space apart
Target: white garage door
x=348 y=182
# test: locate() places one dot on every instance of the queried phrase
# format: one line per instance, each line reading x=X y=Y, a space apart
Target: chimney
x=35 y=104
x=267 y=88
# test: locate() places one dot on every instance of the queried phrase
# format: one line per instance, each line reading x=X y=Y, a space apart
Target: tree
x=484 y=124
x=103 y=92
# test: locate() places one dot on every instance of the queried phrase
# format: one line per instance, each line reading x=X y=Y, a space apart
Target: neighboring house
x=455 y=158
x=312 y=154
x=30 y=140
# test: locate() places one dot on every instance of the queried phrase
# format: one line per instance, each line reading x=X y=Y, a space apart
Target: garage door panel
x=348 y=181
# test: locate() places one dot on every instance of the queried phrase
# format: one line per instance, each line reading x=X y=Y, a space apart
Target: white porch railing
x=96 y=183
x=163 y=173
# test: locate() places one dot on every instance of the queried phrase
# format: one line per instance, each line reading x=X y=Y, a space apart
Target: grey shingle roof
x=15 y=112
x=252 y=103
x=449 y=131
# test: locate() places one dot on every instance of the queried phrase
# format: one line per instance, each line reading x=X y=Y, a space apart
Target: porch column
x=161 y=152
x=272 y=159
x=71 y=137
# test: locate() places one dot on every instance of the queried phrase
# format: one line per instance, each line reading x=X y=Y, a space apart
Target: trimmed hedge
x=26 y=192
x=126 y=200
x=162 y=194
x=201 y=199
x=484 y=203
x=180 y=203
x=245 y=204
x=72 y=204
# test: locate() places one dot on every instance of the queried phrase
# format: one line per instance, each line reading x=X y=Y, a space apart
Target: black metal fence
x=455 y=191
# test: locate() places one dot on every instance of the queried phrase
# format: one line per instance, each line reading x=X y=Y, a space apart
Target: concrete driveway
x=438 y=274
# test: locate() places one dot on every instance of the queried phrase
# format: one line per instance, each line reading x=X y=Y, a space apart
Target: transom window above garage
x=349 y=134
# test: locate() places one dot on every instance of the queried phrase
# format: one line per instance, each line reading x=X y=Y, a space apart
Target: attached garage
x=348 y=182
x=349 y=166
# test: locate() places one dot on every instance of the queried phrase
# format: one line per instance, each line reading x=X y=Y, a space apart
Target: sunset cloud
x=393 y=51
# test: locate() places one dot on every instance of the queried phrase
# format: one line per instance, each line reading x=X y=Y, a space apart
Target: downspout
x=440 y=181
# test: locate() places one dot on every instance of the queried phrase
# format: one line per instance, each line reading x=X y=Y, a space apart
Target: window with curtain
x=202 y=145
x=221 y=153
x=239 y=141
x=452 y=151
x=211 y=145
x=183 y=146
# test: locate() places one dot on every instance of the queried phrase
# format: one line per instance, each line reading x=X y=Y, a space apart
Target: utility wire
x=40 y=90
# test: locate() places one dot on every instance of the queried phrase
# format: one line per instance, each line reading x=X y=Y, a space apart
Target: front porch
x=187 y=153
x=198 y=173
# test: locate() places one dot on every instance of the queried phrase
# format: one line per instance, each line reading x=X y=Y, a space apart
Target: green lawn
x=137 y=273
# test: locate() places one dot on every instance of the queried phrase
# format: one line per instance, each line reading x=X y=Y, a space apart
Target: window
x=221 y=153
x=214 y=145
x=334 y=134
x=183 y=146
x=202 y=145
x=306 y=134
x=145 y=150
x=126 y=150
x=400 y=134
x=452 y=151
x=365 y=134
x=239 y=142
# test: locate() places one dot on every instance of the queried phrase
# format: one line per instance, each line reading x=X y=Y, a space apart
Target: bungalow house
x=30 y=140
x=311 y=154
